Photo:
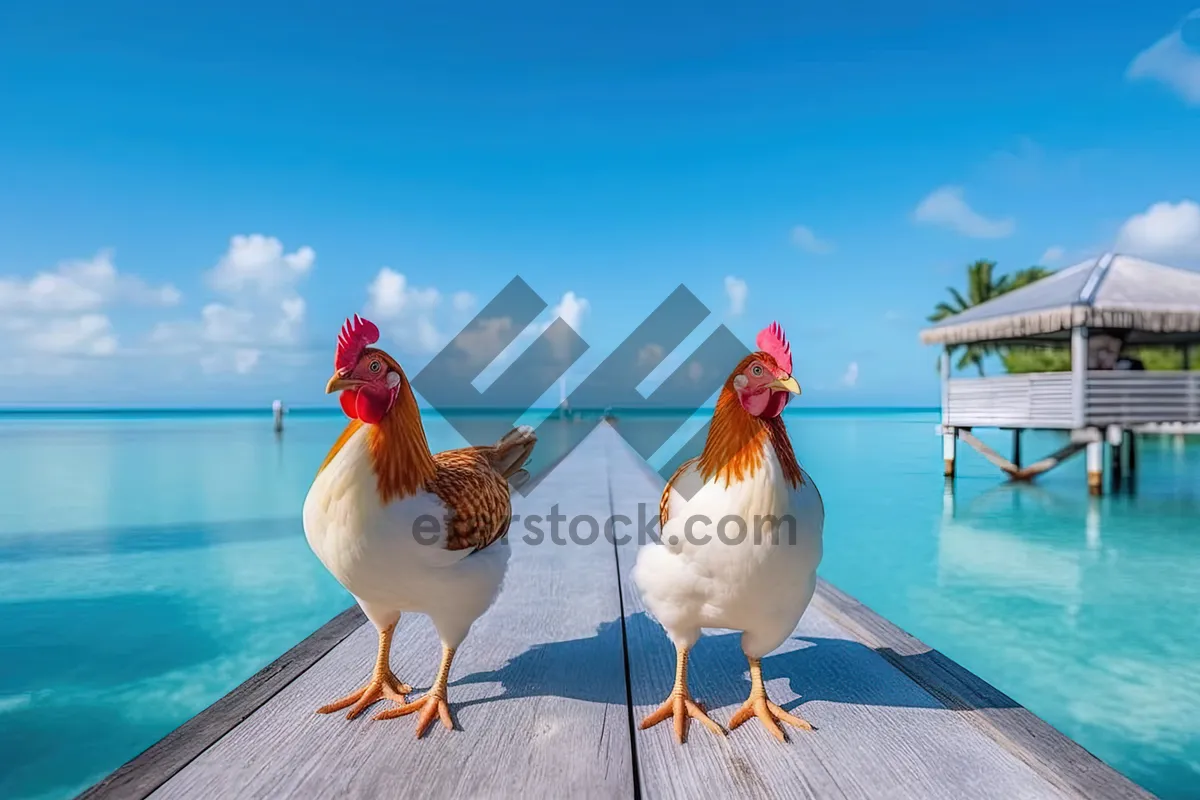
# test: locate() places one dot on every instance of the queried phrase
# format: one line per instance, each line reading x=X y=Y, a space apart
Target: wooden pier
x=550 y=686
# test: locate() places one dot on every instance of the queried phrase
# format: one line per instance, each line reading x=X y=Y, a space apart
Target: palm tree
x=981 y=287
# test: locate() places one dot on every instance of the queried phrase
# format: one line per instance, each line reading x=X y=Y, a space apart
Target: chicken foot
x=384 y=685
x=433 y=704
x=679 y=703
x=759 y=705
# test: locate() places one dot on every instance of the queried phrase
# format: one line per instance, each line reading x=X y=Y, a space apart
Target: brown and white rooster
x=404 y=529
x=742 y=552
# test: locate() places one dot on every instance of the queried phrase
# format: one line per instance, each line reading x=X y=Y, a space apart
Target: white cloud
x=258 y=308
x=58 y=314
x=77 y=286
x=1166 y=231
x=650 y=354
x=390 y=296
x=1171 y=61
x=258 y=262
x=571 y=309
x=409 y=312
x=406 y=311
x=463 y=301
x=849 y=378
x=1052 y=256
x=89 y=335
x=241 y=360
x=947 y=208
x=893 y=316
x=736 y=290
x=476 y=343
x=804 y=238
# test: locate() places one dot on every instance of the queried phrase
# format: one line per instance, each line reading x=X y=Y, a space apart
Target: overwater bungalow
x=1100 y=311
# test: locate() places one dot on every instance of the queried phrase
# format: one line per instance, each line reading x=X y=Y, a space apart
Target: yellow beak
x=788 y=383
x=339 y=382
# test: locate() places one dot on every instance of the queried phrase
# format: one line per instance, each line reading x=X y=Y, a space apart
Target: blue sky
x=192 y=199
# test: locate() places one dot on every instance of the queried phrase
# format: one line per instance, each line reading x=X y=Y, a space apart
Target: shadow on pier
x=816 y=670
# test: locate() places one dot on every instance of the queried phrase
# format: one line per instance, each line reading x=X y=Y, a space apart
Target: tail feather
x=513 y=450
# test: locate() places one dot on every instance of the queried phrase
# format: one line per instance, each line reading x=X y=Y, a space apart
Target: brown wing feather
x=475 y=495
x=664 y=503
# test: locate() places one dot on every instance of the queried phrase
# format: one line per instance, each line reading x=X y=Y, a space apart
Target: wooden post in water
x=1132 y=458
x=1095 y=466
x=949 y=435
x=1116 y=435
x=1016 y=459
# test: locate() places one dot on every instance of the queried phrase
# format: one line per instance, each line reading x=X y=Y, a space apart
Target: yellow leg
x=433 y=704
x=383 y=684
x=679 y=703
x=759 y=705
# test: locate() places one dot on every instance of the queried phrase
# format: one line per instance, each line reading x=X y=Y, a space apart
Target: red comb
x=356 y=335
x=772 y=342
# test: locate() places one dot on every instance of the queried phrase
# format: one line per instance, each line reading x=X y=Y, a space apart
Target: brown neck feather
x=734 y=447
x=399 y=451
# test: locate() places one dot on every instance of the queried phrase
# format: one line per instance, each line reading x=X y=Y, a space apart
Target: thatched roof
x=1154 y=302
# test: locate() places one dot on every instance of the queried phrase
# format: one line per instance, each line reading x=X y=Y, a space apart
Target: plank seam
x=629 y=711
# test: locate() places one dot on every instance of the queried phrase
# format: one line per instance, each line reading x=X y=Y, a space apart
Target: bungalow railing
x=1132 y=398
x=1047 y=399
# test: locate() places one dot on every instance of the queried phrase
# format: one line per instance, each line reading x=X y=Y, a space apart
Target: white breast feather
x=389 y=560
x=760 y=584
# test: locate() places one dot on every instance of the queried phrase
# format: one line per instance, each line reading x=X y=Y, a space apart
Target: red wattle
x=372 y=404
x=349 y=401
x=776 y=403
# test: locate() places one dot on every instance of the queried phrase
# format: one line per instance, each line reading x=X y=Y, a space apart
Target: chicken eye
x=756 y=371
x=375 y=366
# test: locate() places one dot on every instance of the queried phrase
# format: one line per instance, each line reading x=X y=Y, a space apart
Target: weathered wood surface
x=538 y=690
x=540 y=694
x=893 y=717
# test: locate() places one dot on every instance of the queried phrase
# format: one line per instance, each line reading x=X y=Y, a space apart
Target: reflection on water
x=1087 y=608
x=147 y=566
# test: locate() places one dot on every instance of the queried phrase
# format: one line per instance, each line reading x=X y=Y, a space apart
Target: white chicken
x=742 y=552
x=404 y=529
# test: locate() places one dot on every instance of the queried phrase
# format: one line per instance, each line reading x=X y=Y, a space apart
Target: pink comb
x=772 y=342
x=356 y=335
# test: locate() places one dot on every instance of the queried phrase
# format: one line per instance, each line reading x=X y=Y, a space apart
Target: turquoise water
x=148 y=564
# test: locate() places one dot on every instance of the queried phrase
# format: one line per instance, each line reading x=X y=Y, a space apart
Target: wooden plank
x=145 y=773
x=1060 y=760
x=894 y=718
x=537 y=690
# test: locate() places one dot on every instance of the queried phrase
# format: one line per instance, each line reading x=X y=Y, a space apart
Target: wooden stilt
x=1016 y=459
x=948 y=447
x=1095 y=467
x=1116 y=437
x=1132 y=458
x=1115 y=467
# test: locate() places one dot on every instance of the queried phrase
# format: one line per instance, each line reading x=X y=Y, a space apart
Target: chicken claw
x=759 y=705
x=680 y=705
x=432 y=705
x=381 y=687
x=384 y=685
